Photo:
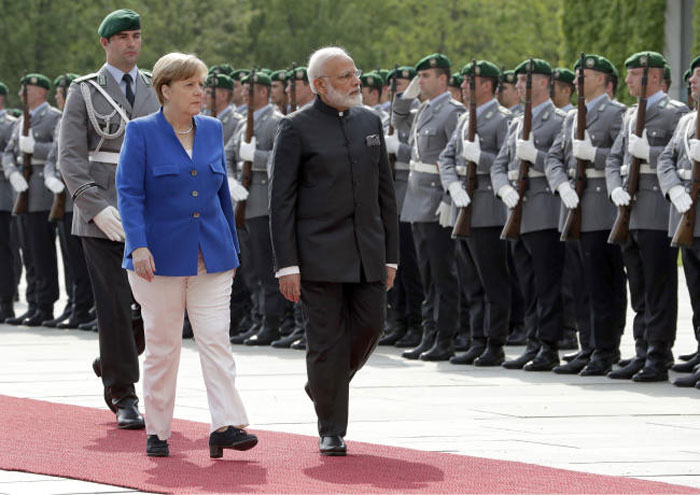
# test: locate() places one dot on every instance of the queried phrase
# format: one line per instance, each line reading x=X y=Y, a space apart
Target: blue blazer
x=173 y=204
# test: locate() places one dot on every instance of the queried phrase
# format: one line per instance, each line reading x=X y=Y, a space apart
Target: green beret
x=266 y=71
x=279 y=75
x=694 y=63
x=596 y=63
x=239 y=74
x=508 y=76
x=614 y=72
x=403 y=72
x=298 y=74
x=222 y=81
x=221 y=69
x=484 y=68
x=372 y=80
x=539 y=66
x=653 y=59
x=686 y=75
x=455 y=81
x=36 y=80
x=384 y=73
x=118 y=21
x=258 y=78
x=434 y=61
x=562 y=74
x=64 y=80
x=667 y=72
x=3 y=88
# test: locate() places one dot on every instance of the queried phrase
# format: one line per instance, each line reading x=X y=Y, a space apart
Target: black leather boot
x=65 y=315
x=688 y=366
x=494 y=355
x=242 y=337
x=426 y=343
x=477 y=348
x=396 y=327
x=530 y=352
x=628 y=367
x=462 y=341
x=441 y=350
x=411 y=338
x=575 y=365
x=287 y=341
x=41 y=315
x=547 y=359
x=689 y=380
x=17 y=320
x=656 y=365
x=269 y=332
x=601 y=363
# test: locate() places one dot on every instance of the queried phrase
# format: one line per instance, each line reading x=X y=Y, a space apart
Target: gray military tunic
x=603 y=123
x=430 y=129
x=540 y=206
x=7 y=193
x=492 y=128
x=43 y=123
x=651 y=210
x=230 y=121
x=90 y=181
x=51 y=168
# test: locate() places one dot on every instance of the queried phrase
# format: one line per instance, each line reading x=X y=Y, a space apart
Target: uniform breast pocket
x=428 y=137
x=657 y=137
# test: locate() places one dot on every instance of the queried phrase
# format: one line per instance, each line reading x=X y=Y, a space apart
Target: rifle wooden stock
x=58 y=207
x=621 y=227
x=293 y=90
x=247 y=171
x=683 y=236
x=511 y=230
x=212 y=104
x=390 y=132
x=463 y=225
x=572 y=225
x=21 y=205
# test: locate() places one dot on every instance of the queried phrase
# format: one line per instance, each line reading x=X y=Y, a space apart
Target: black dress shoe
x=128 y=415
x=523 y=359
x=242 y=337
x=687 y=357
x=267 y=335
x=53 y=323
x=545 y=360
x=573 y=367
x=299 y=344
x=231 y=438
x=75 y=320
x=155 y=447
x=411 y=338
x=391 y=338
x=517 y=336
x=628 y=371
x=688 y=366
x=332 y=445
x=571 y=356
x=286 y=341
x=38 y=318
x=492 y=356
x=440 y=351
x=88 y=325
x=688 y=380
x=426 y=344
x=599 y=365
x=17 y=320
x=651 y=374
x=622 y=363
x=477 y=349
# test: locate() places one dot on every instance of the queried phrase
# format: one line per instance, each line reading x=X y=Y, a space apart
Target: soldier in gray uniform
x=37 y=234
x=92 y=131
x=562 y=88
x=430 y=128
x=8 y=283
x=602 y=270
x=259 y=252
x=541 y=250
x=238 y=98
x=372 y=85
x=507 y=94
x=403 y=328
x=674 y=170
x=77 y=279
x=304 y=95
x=648 y=257
x=482 y=255
x=224 y=112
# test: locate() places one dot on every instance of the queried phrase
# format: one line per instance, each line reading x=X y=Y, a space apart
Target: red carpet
x=84 y=443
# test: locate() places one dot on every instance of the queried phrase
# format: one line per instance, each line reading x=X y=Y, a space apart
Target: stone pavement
x=597 y=425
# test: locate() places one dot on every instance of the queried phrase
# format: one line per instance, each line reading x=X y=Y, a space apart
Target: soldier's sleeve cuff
x=81 y=190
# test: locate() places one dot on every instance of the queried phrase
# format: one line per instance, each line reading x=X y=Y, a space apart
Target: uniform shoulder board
x=455 y=103
x=561 y=113
x=85 y=77
x=54 y=110
x=617 y=104
x=676 y=103
x=504 y=110
x=146 y=76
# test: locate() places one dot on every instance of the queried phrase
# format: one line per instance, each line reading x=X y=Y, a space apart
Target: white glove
x=54 y=185
x=459 y=196
x=639 y=146
x=680 y=199
x=109 y=222
x=471 y=150
x=509 y=196
x=238 y=192
x=444 y=213
x=246 y=151
x=26 y=143
x=620 y=197
x=392 y=143
x=525 y=150
x=412 y=90
x=568 y=195
x=18 y=182
x=694 y=149
x=584 y=150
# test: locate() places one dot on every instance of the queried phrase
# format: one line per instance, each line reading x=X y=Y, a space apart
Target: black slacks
x=38 y=243
x=472 y=299
x=8 y=284
x=525 y=295
x=691 y=268
x=344 y=323
x=273 y=303
x=406 y=296
x=78 y=284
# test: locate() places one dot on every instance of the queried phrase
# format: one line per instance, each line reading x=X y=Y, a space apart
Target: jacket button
x=195 y=193
x=263 y=181
x=194 y=172
x=195 y=214
x=597 y=189
x=432 y=184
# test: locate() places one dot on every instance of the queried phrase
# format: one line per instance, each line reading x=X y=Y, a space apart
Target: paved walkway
x=596 y=425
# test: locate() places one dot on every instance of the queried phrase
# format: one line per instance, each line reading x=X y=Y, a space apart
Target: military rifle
x=511 y=230
x=247 y=170
x=58 y=207
x=572 y=225
x=683 y=237
x=621 y=227
x=390 y=132
x=293 y=89
x=214 y=84
x=463 y=225
x=22 y=202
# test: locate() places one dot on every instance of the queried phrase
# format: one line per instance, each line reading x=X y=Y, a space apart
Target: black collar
x=323 y=107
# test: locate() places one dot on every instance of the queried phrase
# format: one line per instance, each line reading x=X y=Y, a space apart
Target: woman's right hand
x=144 y=266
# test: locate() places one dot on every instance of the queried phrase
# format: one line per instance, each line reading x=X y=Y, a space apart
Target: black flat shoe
x=231 y=438
x=155 y=447
x=332 y=445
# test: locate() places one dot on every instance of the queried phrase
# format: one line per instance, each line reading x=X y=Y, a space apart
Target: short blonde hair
x=175 y=66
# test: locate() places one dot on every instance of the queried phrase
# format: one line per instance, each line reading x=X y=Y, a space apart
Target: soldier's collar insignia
x=489 y=114
x=545 y=115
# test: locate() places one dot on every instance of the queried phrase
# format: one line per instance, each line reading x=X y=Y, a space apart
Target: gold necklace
x=185 y=132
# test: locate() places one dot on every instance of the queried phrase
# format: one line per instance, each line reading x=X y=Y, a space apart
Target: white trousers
x=163 y=302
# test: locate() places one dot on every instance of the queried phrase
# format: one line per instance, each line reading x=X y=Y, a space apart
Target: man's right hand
x=19 y=184
x=509 y=196
x=109 y=222
x=238 y=192
x=412 y=90
x=290 y=287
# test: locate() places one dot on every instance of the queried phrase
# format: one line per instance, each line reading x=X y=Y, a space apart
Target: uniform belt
x=685 y=174
x=591 y=173
x=104 y=157
x=531 y=173
x=462 y=170
x=644 y=168
x=426 y=168
x=401 y=166
x=35 y=161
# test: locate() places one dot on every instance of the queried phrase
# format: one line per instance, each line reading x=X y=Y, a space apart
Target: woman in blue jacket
x=181 y=250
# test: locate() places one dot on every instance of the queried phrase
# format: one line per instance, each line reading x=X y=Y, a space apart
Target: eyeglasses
x=346 y=76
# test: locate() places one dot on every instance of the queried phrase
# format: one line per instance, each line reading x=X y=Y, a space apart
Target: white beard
x=338 y=99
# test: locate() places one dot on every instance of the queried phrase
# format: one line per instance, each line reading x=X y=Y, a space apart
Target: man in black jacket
x=334 y=232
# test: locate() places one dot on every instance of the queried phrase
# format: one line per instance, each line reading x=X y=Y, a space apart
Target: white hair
x=317 y=62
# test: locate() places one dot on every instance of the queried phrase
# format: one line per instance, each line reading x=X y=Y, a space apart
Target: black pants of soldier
x=438 y=272
x=16 y=254
x=525 y=276
x=38 y=243
x=273 y=303
x=576 y=305
x=472 y=299
x=545 y=254
x=604 y=276
x=78 y=284
x=247 y=273
x=517 y=302
x=652 y=272
x=345 y=321
x=488 y=252
x=113 y=299
x=691 y=268
x=406 y=295
x=8 y=284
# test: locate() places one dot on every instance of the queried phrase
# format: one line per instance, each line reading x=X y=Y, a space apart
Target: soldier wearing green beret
x=507 y=94
x=666 y=84
x=372 y=87
x=303 y=92
x=386 y=90
x=238 y=96
x=403 y=76
x=278 y=97
x=562 y=88
x=650 y=261
x=221 y=69
x=224 y=111
x=455 y=87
